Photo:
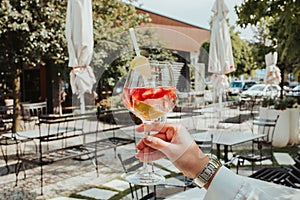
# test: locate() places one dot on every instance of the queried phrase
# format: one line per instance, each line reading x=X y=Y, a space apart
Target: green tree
x=242 y=55
x=280 y=23
x=112 y=52
x=33 y=33
x=30 y=35
x=113 y=47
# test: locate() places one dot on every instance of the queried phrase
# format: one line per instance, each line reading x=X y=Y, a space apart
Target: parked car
x=260 y=91
x=288 y=86
x=295 y=92
x=236 y=87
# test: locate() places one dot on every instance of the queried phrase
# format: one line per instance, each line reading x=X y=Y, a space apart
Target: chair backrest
x=30 y=110
x=132 y=164
x=6 y=110
x=265 y=126
x=6 y=117
x=293 y=179
x=206 y=145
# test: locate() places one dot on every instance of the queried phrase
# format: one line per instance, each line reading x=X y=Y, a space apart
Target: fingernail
x=149 y=138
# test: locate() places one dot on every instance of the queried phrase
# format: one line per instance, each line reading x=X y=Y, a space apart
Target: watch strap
x=203 y=177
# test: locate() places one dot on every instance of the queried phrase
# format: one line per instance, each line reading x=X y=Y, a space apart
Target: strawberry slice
x=152 y=93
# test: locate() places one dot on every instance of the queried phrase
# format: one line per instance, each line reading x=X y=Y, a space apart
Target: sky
x=196 y=12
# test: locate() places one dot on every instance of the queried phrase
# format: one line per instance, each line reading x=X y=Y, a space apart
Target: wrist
x=207 y=173
x=193 y=161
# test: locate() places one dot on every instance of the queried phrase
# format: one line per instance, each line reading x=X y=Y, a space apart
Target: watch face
x=207 y=172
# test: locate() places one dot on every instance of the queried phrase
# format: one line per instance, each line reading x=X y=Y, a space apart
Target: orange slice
x=146 y=111
x=142 y=65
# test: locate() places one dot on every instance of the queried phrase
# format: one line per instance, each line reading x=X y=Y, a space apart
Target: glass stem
x=146 y=152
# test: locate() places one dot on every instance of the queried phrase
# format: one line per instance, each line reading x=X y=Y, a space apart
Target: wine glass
x=149 y=96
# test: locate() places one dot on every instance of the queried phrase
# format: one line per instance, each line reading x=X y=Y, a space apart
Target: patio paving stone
x=117 y=185
x=167 y=164
x=64 y=198
x=283 y=158
x=98 y=193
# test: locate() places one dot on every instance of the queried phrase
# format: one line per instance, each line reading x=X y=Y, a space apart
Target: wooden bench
x=61 y=137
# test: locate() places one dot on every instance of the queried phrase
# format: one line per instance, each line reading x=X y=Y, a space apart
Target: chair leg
x=237 y=166
x=240 y=162
x=131 y=190
x=5 y=156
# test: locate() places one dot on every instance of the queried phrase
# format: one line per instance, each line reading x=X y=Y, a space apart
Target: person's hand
x=175 y=142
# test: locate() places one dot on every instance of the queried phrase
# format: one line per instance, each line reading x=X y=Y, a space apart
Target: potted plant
x=287 y=126
x=292 y=106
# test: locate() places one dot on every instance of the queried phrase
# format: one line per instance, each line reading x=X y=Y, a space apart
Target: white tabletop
x=226 y=137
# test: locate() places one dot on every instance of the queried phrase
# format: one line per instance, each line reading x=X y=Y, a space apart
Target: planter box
x=294 y=126
x=287 y=127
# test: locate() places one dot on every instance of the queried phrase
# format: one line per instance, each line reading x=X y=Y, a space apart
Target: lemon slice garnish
x=146 y=111
x=142 y=65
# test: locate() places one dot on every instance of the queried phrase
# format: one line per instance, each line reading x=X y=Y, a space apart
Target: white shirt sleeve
x=229 y=186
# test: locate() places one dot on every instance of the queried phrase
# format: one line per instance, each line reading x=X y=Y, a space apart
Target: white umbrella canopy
x=79 y=34
x=273 y=74
x=220 y=50
x=220 y=60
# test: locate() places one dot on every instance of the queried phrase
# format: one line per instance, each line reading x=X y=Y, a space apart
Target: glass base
x=145 y=178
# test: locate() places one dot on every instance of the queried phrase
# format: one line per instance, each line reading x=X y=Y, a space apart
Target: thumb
x=155 y=142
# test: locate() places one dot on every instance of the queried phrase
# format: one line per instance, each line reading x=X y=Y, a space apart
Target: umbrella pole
x=82 y=111
x=220 y=107
x=216 y=108
x=82 y=103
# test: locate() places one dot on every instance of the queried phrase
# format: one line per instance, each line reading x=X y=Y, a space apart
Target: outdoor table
x=276 y=190
x=226 y=138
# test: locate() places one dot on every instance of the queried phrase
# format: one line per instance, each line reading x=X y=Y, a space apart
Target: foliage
x=242 y=55
x=32 y=33
x=112 y=19
x=279 y=103
x=280 y=23
x=113 y=47
x=287 y=102
x=268 y=102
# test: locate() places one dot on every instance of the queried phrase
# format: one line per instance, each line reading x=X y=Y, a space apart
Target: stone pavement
x=109 y=189
x=79 y=178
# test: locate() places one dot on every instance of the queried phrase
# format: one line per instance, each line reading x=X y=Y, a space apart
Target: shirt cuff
x=225 y=185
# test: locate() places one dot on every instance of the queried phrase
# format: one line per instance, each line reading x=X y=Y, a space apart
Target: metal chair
x=206 y=145
x=293 y=178
x=288 y=175
x=6 y=118
x=137 y=192
x=31 y=113
x=262 y=148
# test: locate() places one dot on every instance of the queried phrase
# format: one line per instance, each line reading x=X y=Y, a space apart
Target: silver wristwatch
x=204 y=176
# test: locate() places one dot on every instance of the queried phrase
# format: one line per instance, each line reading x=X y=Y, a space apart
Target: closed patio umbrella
x=273 y=74
x=220 y=50
x=220 y=60
x=79 y=34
